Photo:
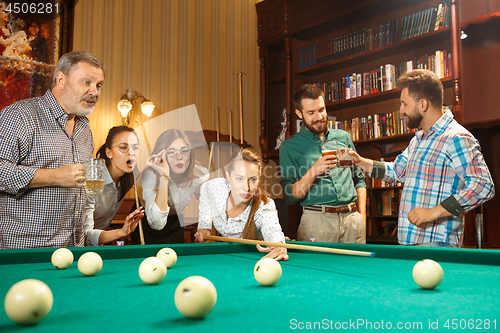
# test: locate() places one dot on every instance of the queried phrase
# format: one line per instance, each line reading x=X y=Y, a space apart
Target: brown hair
x=307 y=91
x=259 y=196
x=126 y=181
x=423 y=84
x=164 y=141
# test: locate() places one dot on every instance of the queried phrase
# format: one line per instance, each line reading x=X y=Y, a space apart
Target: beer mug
x=94 y=175
x=328 y=148
x=344 y=158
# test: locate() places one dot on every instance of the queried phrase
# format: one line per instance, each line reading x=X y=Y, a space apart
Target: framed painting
x=33 y=35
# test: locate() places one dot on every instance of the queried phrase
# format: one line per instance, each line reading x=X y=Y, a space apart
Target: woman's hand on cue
x=200 y=233
x=276 y=253
x=132 y=220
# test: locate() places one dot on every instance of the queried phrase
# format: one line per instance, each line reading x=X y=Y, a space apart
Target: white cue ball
x=267 y=271
x=168 y=256
x=62 y=258
x=28 y=301
x=90 y=264
x=152 y=270
x=427 y=273
x=195 y=297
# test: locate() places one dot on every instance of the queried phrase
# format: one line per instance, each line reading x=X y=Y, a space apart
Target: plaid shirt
x=33 y=136
x=446 y=162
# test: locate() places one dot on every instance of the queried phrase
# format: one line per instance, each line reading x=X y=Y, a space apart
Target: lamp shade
x=147 y=108
x=124 y=106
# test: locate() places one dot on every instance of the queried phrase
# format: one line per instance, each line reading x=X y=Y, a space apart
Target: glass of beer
x=328 y=148
x=345 y=159
x=94 y=175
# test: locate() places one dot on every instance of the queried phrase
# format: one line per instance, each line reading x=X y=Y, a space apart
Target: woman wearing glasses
x=172 y=178
x=119 y=152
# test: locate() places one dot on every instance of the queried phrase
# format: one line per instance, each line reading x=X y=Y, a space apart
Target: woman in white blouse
x=238 y=207
x=170 y=181
x=119 y=152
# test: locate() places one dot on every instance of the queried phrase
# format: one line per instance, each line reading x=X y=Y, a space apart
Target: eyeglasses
x=125 y=148
x=185 y=150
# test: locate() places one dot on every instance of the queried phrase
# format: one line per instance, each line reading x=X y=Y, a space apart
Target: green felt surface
x=355 y=292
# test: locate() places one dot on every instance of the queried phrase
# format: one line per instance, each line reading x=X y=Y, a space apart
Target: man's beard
x=314 y=130
x=80 y=110
x=414 y=119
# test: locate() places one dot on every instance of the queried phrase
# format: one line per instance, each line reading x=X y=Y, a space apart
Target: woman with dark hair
x=172 y=178
x=119 y=152
x=238 y=207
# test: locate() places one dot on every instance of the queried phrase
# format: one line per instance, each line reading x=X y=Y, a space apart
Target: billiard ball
x=168 y=256
x=152 y=270
x=90 y=263
x=62 y=258
x=28 y=301
x=195 y=297
x=427 y=273
x=267 y=271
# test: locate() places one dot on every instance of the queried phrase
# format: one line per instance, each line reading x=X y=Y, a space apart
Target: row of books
x=383 y=78
x=367 y=39
x=431 y=19
x=373 y=126
x=388 y=201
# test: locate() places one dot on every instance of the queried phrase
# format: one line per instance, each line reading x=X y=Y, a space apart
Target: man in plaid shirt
x=443 y=170
x=43 y=143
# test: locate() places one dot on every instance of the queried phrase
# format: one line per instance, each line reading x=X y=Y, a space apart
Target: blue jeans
x=435 y=244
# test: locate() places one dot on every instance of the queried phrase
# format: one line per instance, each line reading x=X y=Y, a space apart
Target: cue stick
x=230 y=125
x=240 y=74
x=141 y=232
x=218 y=124
x=291 y=246
x=210 y=157
x=146 y=141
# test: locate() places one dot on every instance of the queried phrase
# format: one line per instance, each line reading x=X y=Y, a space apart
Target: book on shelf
x=359 y=85
x=438 y=16
x=353 y=85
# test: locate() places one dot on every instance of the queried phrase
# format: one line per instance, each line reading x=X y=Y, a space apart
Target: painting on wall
x=33 y=35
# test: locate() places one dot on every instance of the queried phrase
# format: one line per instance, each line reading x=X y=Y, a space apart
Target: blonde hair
x=258 y=196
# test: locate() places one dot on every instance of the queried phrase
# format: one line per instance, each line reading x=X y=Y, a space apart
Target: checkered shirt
x=33 y=136
x=446 y=162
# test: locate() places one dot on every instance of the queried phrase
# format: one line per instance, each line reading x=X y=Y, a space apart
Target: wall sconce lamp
x=125 y=105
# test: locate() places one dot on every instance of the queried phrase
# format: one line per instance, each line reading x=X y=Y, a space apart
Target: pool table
x=317 y=290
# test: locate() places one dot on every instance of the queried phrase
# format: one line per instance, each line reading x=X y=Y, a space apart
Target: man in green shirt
x=334 y=198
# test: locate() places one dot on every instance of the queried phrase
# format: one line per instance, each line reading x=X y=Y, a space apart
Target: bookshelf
x=288 y=30
x=382 y=209
x=286 y=27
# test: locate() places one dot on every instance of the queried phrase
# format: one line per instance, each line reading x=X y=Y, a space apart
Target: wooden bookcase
x=287 y=26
